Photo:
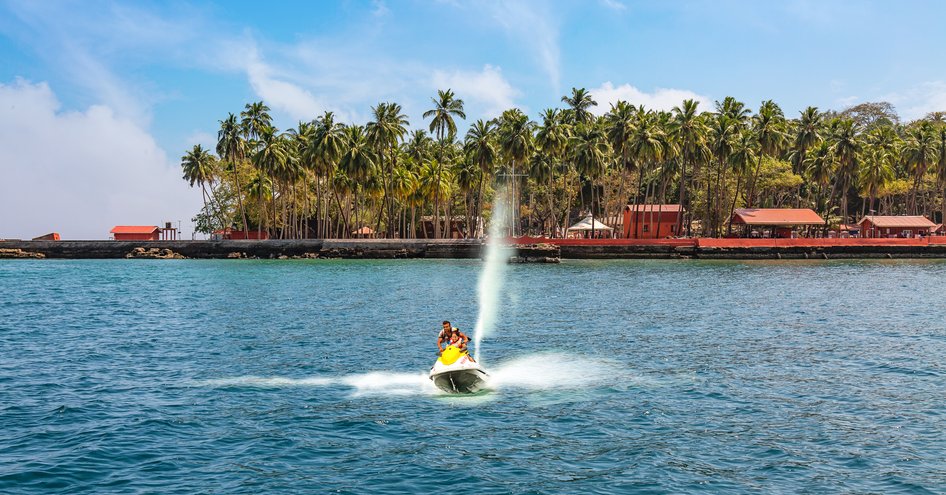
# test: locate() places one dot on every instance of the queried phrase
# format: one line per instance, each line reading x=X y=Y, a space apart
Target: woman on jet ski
x=451 y=336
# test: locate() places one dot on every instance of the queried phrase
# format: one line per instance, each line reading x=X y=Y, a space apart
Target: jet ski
x=455 y=372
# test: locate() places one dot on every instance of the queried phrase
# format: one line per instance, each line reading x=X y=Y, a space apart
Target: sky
x=99 y=100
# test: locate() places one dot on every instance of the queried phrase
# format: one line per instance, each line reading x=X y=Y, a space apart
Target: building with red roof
x=782 y=222
x=136 y=233
x=896 y=226
x=652 y=221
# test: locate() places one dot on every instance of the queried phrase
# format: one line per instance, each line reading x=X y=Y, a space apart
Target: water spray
x=491 y=277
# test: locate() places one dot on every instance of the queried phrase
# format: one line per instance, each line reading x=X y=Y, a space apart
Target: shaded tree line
x=329 y=179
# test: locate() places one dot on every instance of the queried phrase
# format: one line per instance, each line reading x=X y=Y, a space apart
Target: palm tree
x=768 y=127
x=515 y=135
x=743 y=153
x=579 y=103
x=590 y=152
x=403 y=182
x=301 y=136
x=919 y=151
x=723 y=132
x=255 y=118
x=358 y=161
x=468 y=176
x=261 y=189
x=385 y=133
x=845 y=147
x=807 y=133
x=419 y=147
x=232 y=148
x=941 y=168
x=323 y=151
x=481 y=147
x=551 y=140
x=689 y=132
x=270 y=159
x=646 y=146
x=875 y=173
x=619 y=127
x=819 y=167
x=446 y=107
x=199 y=168
x=734 y=109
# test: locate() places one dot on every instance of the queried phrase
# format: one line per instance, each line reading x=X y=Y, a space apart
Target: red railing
x=603 y=242
x=735 y=243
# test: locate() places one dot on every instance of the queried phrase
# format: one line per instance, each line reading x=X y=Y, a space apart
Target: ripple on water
x=631 y=376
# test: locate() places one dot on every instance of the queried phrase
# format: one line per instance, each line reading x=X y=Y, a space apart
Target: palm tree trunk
x=734 y=199
x=682 y=199
x=755 y=178
x=236 y=178
x=637 y=201
x=479 y=203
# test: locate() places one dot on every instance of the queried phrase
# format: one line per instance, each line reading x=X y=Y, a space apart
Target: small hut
x=589 y=227
x=363 y=233
x=136 y=233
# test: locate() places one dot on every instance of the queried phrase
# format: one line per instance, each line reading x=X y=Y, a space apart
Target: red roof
x=655 y=208
x=134 y=229
x=898 y=221
x=777 y=216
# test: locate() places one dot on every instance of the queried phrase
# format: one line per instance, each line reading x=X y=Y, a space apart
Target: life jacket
x=455 y=338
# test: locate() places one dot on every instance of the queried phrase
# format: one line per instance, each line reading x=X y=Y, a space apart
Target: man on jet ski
x=451 y=336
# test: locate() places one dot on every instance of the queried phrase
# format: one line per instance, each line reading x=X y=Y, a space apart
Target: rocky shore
x=457 y=249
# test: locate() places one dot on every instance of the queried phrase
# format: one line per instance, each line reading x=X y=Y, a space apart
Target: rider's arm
x=440 y=342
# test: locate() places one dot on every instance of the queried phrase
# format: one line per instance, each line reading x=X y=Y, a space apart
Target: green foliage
x=326 y=178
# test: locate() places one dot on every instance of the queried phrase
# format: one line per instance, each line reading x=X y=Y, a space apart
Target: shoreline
x=697 y=248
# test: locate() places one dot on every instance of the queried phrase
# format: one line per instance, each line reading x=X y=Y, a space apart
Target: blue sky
x=145 y=81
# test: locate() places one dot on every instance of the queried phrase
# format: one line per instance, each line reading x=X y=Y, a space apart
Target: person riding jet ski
x=451 y=336
x=455 y=371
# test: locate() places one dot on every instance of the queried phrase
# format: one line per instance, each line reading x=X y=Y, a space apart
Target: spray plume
x=491 y=277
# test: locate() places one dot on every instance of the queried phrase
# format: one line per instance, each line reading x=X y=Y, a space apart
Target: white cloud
x=661 y=99
x=73 y=42
x=916 y=102
x=80 y=173
x=488 y=89
x=533 y=26
x=279 y=94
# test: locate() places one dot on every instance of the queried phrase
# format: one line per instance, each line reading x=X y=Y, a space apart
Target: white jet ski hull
x=460 y=381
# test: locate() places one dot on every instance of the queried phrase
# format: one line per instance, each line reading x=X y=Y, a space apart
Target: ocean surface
x=201 y=376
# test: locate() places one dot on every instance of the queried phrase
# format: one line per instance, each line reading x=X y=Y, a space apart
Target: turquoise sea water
x=153 y=376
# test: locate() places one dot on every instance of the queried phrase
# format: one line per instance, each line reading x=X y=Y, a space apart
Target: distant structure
x=588 y=228
x=136 y=233
x=896 y=226
x=52 y=236
x=651 y=221
x=168 y=233
x=780 y=222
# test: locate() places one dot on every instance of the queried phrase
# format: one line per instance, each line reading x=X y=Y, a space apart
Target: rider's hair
x=445 y=322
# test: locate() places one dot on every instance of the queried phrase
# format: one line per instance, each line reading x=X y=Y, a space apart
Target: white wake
x=541 y=372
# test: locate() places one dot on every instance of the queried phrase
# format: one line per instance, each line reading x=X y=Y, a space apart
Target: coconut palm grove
x=328 y=179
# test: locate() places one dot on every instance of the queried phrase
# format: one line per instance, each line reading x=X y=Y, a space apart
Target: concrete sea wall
x=467 y=249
